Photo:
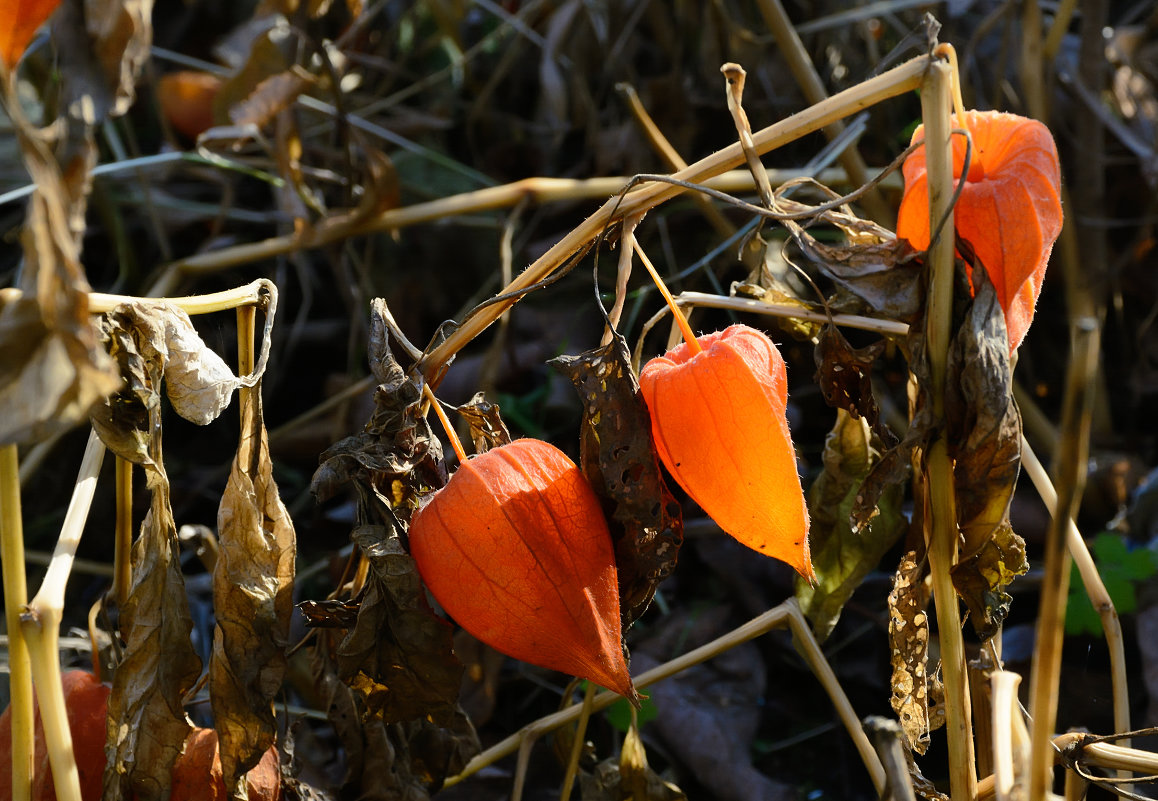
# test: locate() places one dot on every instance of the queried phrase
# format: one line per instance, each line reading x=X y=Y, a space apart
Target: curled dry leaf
x=22 y=19
x=147 y=724
x=917 y=692
x=516 y=550
x=984 y=432
x=719 y=421
x=395 y=657
x=844 y=374
x=1010 y=207
x=621 y=465
x=841 y=557
x=396 y=640
x=487 y=429
x=252 y=600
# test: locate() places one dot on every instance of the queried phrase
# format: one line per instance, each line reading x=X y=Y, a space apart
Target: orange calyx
x=720 y=427
x=516 y=550
x=1009 y=210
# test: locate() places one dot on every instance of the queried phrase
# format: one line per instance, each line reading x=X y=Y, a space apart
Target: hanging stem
x=577 y=743
x=15 y=597
x=455 y=443
x=936 y=99
x=677 y=314
x=123 y=533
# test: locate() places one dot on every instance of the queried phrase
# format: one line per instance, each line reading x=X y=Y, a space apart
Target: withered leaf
x=122 y=420
x=918 y=695
x=332 y=614
x=52 y=369
x=841 y=558
x=252 y=599
x=619 y=461
x=271 y=96
x=407 y=761
x=147 y=725
x=629 y=776
x=983 y=423
x=487 y=429
x=983 y=428
x=398 y=657
x=981 y=579
x=103 y=45
x=844 y=374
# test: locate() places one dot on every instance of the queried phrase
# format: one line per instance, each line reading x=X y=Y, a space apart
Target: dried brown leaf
x=147 y=725
x=619 y=460
x=487 y=429
x=844 y=374
x=399 y=656
x=984 y=432
x=841 y=558
x=52 y=369
x=917 y=692
x=103 y=45
x=252 y=600
x=270 y=97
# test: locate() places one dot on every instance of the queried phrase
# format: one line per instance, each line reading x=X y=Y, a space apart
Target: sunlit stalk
x=936 y=104
x=15 y=597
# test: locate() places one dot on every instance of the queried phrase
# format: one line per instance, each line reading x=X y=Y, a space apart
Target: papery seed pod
x=515 y=548
x=720 y=427
x=1010 y=207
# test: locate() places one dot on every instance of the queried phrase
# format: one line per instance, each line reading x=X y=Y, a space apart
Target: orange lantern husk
x=719 y=422
x=1009 y=211
x=516 y=550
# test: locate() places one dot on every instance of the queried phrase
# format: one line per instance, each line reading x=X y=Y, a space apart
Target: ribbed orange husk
x=720 y=426
x=1009 y=211
x=516 y=549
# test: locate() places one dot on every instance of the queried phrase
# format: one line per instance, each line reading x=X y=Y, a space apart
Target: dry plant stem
x=675 y=161
x=735 y=76
x=15 y=597
x=455 y=443
x=891 y=328
x=677 y=315
x=123 y=533
x=40 y=624
x=787 y=613
x=577 y=743
x=622 y=274
x=1095 y=588
x=896 y=81
x=1075 y=787
x=1032 y=82
x=246 y=328
x=1010 y=739
x=941 y=515
x=250 y=294
x=1073 y=452
x=541 y=190
x=885 y=734
x=1109 y=755
x=1057 y=31
x=808 y=79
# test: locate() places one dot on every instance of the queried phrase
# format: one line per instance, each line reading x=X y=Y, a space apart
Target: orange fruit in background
x=186 y=99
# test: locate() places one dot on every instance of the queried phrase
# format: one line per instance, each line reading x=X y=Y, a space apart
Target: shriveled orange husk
x=515 y=548
x=1009 y=211
x=720 y=426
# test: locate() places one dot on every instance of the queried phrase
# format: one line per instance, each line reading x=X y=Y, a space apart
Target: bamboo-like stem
x=1109 y=755
x=40 y=624
x=577 y=743
x=787 y=613
x=1010 y=738
x=898 y=80
x=808 y=79
x=246 y=340
x=15 y=597
x=123 y=533
x=1095 y=588
x=892 y=328
x=1057 y=31
x=941 y=515
x=539 y=189
x=247 y=295
x=1073 y=452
